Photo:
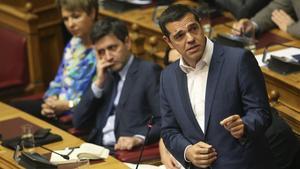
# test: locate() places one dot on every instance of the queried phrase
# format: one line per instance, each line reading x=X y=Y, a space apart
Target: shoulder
x=230 y=53
x=147 y=66
x=170 y=71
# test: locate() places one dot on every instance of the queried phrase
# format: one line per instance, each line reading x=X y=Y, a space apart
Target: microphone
x=149 y=125
x=65 y=156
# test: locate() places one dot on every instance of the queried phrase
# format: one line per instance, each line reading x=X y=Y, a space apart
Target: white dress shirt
x=196 y=80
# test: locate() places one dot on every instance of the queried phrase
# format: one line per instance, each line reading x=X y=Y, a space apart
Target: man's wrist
x=96 y=90
x=185 y=153
x=140 y=139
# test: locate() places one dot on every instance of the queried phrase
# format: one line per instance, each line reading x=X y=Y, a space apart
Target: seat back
x=13 y=59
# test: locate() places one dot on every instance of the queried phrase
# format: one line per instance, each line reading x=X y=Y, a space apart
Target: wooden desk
x=7 y=162
x=284 y=92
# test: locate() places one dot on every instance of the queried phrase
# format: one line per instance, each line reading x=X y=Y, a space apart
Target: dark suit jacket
x=242 y=9
x=139 y=100
x=291 y=7
x=235 y=85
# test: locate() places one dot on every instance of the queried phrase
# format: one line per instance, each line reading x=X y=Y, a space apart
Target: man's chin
x=116 y=68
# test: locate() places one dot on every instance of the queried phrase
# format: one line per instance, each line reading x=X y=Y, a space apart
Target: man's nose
x=190 y=37
x=108 y=55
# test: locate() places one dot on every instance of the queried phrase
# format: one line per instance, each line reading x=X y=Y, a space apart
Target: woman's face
x=78 y=22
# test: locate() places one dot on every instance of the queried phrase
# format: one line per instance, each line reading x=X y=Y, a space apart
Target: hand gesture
x=102 y=66
x=201 y=154
x=234 y=124
x=127 y=143
x=282 y=19
x=243 y=26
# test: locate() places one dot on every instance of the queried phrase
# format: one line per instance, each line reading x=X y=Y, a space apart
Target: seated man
x=117 y=109
x=280 y=13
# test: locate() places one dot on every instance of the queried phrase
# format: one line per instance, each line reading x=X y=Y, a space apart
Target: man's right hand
x=201 y=154
x=102 y=66
x=243 y=26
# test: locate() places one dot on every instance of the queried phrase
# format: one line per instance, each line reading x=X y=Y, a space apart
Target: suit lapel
x=129 y=82
x=185 y=99
x=212 y=80
x=127 y=87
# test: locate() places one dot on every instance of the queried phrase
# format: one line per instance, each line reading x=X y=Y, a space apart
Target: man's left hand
x=127 y=143
x=282 y=19
x=234 y=124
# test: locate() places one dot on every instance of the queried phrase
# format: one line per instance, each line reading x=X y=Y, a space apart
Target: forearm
x=294 y=30
x=263 y=17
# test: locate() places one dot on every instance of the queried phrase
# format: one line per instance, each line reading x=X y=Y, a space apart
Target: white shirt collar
x=205 y=59
x=125 y=69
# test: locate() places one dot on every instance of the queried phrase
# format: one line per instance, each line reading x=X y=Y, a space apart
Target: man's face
x=112 y=50
x=78 y=23
x=187 y=37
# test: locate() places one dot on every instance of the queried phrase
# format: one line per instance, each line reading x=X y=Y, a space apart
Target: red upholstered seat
x=13 y=59
x=151 y=152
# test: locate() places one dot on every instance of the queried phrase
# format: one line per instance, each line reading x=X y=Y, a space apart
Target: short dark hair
x=86 y=5
x=174 y=13
x=108 y=26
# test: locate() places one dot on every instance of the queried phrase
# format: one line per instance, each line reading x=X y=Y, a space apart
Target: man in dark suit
x=214 y=103
x=125 y=94
x=284 y=14
x=240 y=9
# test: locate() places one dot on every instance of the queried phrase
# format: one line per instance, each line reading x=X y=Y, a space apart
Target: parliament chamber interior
x=32 y=42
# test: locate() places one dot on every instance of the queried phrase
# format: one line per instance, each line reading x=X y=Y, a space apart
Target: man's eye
x=178 y=36
x=113 y=47
x=101 y=52
x=194 y=28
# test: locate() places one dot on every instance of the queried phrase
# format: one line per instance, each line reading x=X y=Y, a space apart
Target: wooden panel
x=26 y=25
x=40 y=22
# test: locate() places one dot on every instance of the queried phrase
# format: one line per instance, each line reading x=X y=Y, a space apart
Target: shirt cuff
x=97 y=91
x=185 y=153
x=140 y=136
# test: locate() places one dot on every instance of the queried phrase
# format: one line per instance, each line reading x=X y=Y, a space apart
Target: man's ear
x=93 y=14
x=167 y=40
x=127 y=42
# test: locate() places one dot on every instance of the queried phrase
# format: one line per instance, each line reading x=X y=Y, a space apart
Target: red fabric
x=151 y=152
x=13 y=59
x=66 y=118
x=77 y=132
